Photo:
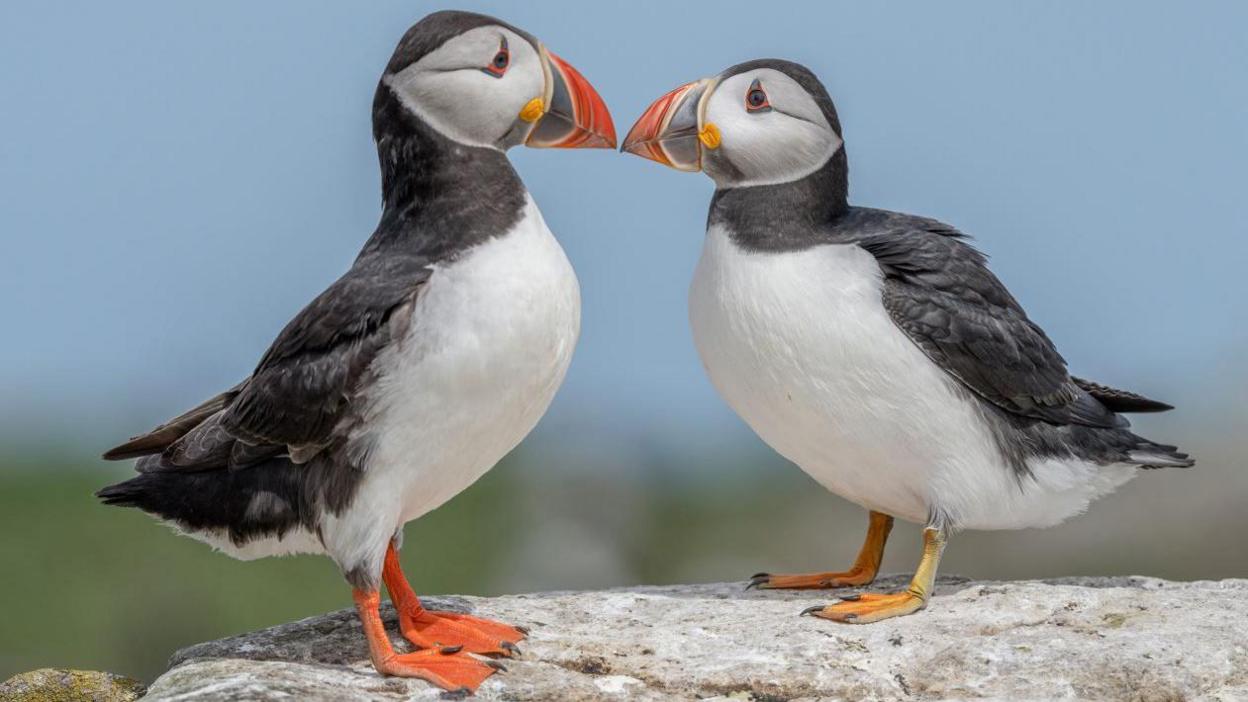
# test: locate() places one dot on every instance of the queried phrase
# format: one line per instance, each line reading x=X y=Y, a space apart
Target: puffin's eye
x=756 y=98
x=498 y=64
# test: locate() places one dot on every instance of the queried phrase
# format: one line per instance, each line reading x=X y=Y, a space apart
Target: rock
x=59 y=685
x=1077 y=638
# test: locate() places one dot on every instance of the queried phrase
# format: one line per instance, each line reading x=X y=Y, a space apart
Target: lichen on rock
x=60 y=685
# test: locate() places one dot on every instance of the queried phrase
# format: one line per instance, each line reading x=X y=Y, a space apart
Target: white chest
x=800 y=346
x=490 y=341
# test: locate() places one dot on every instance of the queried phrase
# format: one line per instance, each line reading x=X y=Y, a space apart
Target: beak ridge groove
x=668 y=131
x=576 y=116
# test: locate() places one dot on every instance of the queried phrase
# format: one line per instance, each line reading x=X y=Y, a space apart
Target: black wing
x=302 y=386
x=1121 y=400
x=298 y=392
x=939 y=290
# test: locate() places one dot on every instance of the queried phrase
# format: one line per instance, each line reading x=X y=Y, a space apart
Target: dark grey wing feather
x=939 y=291
x=161 y=437
x=301 y=388
x=208 y=444
x=306 y=379
x=245 y=455
x=1121 y=400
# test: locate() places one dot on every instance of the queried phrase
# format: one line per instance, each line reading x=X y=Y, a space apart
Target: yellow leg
x=861 y=573
x=871 y=607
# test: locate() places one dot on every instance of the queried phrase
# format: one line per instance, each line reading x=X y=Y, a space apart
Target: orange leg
x=872 y=607
x=449 y=671
x=433 y=630
x=861 y=573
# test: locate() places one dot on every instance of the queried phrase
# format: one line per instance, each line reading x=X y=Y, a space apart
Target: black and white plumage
x=431 y=357
x=875 y=349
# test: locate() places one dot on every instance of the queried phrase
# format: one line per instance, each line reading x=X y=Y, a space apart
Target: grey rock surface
x=1125 y=638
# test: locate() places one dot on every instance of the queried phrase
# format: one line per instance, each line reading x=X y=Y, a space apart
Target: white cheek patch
x=788 y=142
x=450 y=91
x=774 y=148
x=440 y=99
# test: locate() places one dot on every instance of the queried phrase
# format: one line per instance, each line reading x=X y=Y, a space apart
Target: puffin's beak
x=571 y=115
x=672 y=130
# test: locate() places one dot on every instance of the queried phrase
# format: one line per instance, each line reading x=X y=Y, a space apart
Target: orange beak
x=572 y=115
x=671 y=132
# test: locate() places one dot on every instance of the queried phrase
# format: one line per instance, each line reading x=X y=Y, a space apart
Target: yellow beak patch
x=709 y=136
x=533 y=110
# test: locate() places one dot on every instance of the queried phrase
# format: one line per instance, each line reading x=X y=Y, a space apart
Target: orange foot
x=447 y=668
x=814 y=581
x=869 y=607
x=453 y=631
x=455 y=672
x=435 y=629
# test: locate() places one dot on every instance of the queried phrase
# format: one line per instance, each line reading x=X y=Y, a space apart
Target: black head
x=435 y=29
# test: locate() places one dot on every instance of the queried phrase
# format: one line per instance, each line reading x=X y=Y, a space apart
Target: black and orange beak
x=571 y=115
x=673 y=130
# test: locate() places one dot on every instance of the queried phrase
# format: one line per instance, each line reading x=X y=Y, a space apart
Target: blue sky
x=177 y=179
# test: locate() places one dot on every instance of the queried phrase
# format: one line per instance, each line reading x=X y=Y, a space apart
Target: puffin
x=416 y=371
x=875 y=349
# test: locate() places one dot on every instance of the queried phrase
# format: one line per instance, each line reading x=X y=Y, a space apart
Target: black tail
x=1153 y=455
x=1144 y=453
x=264 y=500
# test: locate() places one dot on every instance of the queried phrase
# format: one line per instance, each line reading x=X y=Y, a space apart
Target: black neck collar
x=439 y=196
x=785 y=216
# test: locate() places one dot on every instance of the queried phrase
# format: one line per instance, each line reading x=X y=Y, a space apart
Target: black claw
x=509 y=647
x=495 y=665
x=450 y=650
x=852 y=598
x=461 y=693
x=811 y=610
x=522 y=629
x=760 y=575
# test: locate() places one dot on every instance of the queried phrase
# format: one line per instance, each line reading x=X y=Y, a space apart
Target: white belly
x=801 y=347
x=491 y=338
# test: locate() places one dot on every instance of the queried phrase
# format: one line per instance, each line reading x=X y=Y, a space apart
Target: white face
x=466 y=90
x=772 y=131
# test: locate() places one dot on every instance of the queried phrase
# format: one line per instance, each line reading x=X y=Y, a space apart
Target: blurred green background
x=96 y=587
x=177 y=179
